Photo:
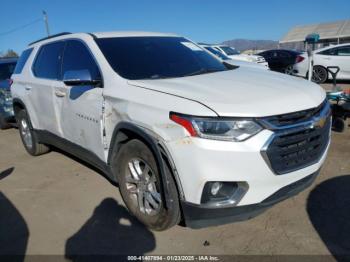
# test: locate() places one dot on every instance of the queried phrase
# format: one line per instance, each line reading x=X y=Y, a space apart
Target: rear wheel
x=142 y=189
x=319 y=75
x=289 y=70
x=29 y=139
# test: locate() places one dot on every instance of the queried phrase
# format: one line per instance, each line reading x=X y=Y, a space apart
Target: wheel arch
x=125 y=131
x=18 y=105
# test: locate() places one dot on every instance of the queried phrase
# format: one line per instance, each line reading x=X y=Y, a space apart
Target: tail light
x=299 y=59
x=10 y=82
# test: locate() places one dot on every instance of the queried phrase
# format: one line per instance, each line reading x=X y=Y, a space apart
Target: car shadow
x=6 y=172
x=328 y=207
x=14 y=232
x=111 y=230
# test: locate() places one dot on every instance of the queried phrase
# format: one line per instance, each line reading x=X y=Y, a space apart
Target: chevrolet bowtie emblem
x=319 y=123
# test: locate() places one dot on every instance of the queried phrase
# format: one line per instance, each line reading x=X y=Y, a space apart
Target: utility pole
x=46 y=23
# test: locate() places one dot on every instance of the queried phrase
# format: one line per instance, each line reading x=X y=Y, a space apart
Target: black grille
x=294 y=118
x=293 y=150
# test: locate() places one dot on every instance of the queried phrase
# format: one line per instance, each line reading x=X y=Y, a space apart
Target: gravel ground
x=53 y=204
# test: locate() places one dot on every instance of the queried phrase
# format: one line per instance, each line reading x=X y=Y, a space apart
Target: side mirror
x=80 y=77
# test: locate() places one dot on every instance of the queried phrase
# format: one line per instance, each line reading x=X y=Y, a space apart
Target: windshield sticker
x=191 y=46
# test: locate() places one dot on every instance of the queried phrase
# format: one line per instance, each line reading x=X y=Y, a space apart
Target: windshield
x=157 y=57
x=229 y=51
x=217 y=53
x=6 y=70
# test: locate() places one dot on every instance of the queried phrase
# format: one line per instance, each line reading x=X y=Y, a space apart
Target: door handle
x=28 y=88
x=60 y=94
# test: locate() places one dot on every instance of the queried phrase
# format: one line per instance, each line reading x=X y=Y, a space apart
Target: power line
x=20 y=27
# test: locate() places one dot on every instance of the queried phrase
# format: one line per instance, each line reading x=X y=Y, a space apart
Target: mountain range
x=245 y=44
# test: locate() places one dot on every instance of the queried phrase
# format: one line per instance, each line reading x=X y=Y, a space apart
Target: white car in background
x=336 y=55
x=228 y=60
x=236 y=55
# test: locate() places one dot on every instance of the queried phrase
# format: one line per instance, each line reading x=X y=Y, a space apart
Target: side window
x=331 y=51
x=344 y=51
x=48 y=61
x=78 y=57
x=22 y=60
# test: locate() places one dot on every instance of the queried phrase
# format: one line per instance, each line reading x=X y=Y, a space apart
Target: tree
x=9 y=53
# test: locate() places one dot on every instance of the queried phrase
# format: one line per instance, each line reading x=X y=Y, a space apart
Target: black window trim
x=65 y=40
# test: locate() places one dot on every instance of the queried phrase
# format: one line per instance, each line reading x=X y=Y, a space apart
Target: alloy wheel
x=319 y=75
x=26 y=134
x=141 y=185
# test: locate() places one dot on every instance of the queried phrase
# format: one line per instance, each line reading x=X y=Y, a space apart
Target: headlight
x=218 y=129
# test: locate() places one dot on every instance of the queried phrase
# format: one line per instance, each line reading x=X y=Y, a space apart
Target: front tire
x=29 y=139
x=142 y=189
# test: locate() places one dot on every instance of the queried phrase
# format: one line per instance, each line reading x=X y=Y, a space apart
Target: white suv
x=185 y=136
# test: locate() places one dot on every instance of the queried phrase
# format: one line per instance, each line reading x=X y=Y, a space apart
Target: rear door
x=80 y=113
x=41 y=95
x=342 y=59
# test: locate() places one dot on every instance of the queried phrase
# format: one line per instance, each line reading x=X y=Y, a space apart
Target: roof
x=331 y=30
x=331 y=46
x=102 y=35
x=129 y=34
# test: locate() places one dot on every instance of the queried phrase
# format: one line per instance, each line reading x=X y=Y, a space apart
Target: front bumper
x=199 y=161
x=197 y=216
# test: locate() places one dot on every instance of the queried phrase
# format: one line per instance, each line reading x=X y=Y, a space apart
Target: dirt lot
x=53 y=204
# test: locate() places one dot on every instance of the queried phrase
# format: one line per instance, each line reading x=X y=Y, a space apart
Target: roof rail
x=51 y=36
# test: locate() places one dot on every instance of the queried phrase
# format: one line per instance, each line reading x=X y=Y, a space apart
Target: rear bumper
x=197 y=216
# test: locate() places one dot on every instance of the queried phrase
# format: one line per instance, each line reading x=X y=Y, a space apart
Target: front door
x=81 y=119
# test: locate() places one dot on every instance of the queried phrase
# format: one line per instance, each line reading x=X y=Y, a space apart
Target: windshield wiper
x=203 y=71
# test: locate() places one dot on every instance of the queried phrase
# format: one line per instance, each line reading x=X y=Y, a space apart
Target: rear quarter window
x=22 y=61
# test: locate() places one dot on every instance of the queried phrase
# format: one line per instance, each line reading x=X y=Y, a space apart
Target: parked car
x=226 y=59
x=7 y=66
x=235 y=55
x=185 y=136
x=282 y=60
x=337 y=55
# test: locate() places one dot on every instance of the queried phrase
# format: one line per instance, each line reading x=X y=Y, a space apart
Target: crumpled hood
x=242 y=92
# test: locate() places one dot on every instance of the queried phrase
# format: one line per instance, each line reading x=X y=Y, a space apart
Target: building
x=330 y=33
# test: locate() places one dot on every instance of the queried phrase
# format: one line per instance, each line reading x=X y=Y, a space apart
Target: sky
x=200 y=20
